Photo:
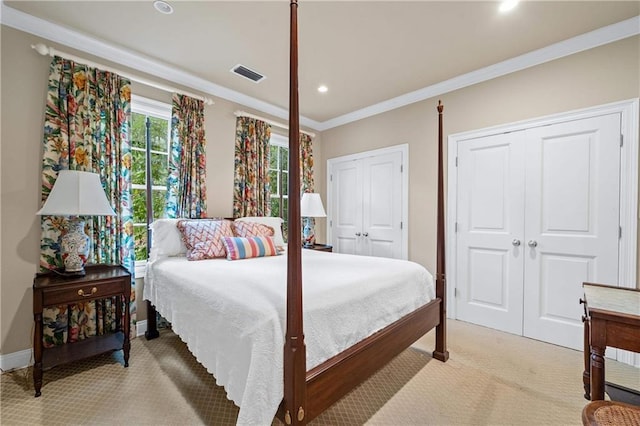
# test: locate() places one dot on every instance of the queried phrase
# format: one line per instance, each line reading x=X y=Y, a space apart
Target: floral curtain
x=251 y=190
x=306 y=170
x=306 y=164
x=187 y=192
x=87 y=116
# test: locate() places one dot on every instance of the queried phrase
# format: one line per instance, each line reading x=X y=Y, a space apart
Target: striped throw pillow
x=251 y=229
x=244 y=248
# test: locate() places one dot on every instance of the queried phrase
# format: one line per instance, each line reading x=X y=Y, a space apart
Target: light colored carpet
x=492 y=378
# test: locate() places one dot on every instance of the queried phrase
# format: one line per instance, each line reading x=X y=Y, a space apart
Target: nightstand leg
x=37 y=353
x=127 y=331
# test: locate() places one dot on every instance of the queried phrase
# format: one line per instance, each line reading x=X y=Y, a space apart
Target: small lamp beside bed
x=310 y=207
x=76 y=194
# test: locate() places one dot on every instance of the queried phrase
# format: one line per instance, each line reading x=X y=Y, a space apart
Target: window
x=155 y=117
x=279 y=178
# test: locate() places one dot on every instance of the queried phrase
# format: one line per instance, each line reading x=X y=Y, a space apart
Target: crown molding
x=129 y=58
x=120 y=55
x=586 y=41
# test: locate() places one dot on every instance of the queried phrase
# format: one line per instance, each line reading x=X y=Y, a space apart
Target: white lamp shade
x=77 y=193
x=311 y=205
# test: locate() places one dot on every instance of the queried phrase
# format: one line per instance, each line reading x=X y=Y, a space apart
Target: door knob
x=515 y=242
x=366 y=234
x=532 y=243
x=358 y=234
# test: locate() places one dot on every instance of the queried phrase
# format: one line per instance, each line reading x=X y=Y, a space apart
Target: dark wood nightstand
x=52 y=289
x=320 y=247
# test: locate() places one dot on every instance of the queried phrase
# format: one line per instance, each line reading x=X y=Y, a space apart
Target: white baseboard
x=141 y=328
x=22 y=359
x=630 y=358
x=16 y=360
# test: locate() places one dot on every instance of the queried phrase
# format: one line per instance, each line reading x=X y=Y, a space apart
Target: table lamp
x=310 y=206
x=76 y=194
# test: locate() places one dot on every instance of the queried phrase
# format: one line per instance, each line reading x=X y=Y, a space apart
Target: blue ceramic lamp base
x=308 y=233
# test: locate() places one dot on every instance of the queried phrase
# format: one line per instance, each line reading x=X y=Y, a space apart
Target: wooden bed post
x=441 y=352
x=152 y=324
x=295 y=365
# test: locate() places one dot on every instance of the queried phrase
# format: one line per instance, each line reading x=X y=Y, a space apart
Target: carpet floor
x=492 y=378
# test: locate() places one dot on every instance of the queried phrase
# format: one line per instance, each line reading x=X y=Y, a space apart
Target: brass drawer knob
x=94 y=290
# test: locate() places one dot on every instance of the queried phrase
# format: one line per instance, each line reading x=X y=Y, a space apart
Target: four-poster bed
x=307 y=392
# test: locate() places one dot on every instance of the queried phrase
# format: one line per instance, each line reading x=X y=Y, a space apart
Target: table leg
x=597 y=373
x=127 y=330
x=586 y=374
x=37 y=353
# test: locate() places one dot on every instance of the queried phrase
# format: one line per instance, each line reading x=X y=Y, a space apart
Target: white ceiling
x=373 y=55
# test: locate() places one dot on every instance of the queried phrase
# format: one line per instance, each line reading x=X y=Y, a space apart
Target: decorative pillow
x=203 y=237
x=166 y=239
x=251 y=229
x=273 y=222
x=244 y=248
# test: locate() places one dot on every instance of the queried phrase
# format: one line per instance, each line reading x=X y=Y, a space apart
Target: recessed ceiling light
x=508 y=5
x=163 y=7
x=323 y=89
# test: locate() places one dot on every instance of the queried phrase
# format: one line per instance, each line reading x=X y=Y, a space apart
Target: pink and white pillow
x=245 y=248
x=203 y=237
x=273 y=222
x=251 y=229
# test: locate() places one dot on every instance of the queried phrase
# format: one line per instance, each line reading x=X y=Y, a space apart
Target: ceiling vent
x=248 y=73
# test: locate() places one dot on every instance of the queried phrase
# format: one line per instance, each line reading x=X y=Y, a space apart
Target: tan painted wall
x=602 y=75
x=24 y=80
x=598 y=76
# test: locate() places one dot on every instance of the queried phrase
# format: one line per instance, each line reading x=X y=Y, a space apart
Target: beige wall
x=598 y=76
x=24 y=81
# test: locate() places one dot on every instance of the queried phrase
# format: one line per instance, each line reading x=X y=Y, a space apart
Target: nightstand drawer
x=77 y=293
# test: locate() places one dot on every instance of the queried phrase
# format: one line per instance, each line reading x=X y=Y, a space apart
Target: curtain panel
x=306 y=164
x=186 y=188
x=86 y=128
x=307 y=182
x=251 y=192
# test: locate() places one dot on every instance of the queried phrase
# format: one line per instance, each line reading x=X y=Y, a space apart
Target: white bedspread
x=231 y=314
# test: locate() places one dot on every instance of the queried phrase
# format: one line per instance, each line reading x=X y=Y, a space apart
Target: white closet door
x=382 y=205
x=346 y=206
x=490 y=224
x=572 y=219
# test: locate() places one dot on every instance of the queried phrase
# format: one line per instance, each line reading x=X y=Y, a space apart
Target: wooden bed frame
x=309 y=393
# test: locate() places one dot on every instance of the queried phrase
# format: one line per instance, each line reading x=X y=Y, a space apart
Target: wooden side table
x=320 y=247
x=612 y=318
x=52 y=289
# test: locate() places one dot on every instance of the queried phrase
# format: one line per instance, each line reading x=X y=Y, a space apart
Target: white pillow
x=166 y=239
x=274 y=222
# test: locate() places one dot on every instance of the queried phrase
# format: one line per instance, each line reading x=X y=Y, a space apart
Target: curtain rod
x=273 y=123
x=46 y=50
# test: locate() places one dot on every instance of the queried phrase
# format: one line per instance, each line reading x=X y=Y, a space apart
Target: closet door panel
x=347 y=193
x=382 y=205
x=490 y=231
x=572 y=219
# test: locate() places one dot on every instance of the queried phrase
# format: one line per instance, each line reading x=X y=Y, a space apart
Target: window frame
x=161 y=110
x=282 y=142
